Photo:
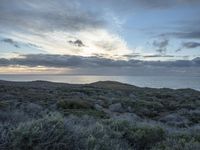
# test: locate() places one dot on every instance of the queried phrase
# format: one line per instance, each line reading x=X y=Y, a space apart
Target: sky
x=107 y=37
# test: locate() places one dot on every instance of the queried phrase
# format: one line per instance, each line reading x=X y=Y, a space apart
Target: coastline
x=173 y=82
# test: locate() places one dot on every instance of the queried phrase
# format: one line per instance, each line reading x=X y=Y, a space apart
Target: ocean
x=174 y=82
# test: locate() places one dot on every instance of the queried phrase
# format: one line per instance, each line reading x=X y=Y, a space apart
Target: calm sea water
x=174 y=82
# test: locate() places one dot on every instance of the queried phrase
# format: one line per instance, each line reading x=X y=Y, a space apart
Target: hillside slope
x=103 y=115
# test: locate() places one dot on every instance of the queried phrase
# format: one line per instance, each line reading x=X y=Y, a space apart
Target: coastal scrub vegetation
x=100 y=116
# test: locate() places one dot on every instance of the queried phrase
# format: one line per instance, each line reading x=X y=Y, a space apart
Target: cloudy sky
x=102 y=37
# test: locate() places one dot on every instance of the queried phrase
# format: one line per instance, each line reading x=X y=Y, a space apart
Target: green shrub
x=139 y=136
x=74 y=104
x=89 y=112
x=144 y=137
x=39 y=134
x=118 y=125
x=184 y=140
x=5 y=136
x=53 y=132
x=103 y=138
x=3 y=104
x=177 y=144
x=80 y=108
x=145 y=108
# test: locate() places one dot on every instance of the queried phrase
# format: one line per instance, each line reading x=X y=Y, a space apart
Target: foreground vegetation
x=100 y=116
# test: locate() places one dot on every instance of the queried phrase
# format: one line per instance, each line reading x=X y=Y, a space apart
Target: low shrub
x=181 y=140
x=144 y=137
x=74 y=104
x=54 y=132
x=144 y=108
x=172 y=143
x=39 y=134
x=139 y=136
x=13 y=117
x=5 y=136
x=3 y=104
x=89 y=112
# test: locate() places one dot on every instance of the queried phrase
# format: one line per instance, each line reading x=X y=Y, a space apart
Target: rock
x=116 y=107
x=129 y=109
x=132 y=95
x=100 y=102
x=98 y=107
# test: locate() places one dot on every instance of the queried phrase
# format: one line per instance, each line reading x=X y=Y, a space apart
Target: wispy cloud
x=47 y=15
x=188 y=45
x=60 y=27
x=161 y=45
x=159 y=56
x=128 y=5
x=18 y=44
x=183 y=34
x=12 y=42
x=191 y=44
x=84 y=28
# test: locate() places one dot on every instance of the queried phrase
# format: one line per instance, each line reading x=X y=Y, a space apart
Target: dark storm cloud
x=67 y=61
x=161 y=45
x=34 y=60
x=47 y=15
x=4 y=62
